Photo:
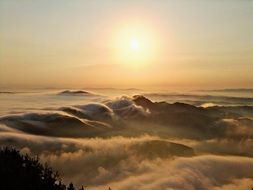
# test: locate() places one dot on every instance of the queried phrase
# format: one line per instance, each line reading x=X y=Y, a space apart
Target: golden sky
x=143 y=44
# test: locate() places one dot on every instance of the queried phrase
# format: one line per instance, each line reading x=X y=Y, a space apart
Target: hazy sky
x=116 y=43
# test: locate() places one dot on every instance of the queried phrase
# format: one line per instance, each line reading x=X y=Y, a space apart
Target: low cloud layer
x=202 y=172
x=131 y=163
x=134 y=143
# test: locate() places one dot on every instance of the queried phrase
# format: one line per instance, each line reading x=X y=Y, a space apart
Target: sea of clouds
x=133 y=143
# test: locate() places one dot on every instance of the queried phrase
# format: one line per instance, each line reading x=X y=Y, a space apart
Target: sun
x=135 y=45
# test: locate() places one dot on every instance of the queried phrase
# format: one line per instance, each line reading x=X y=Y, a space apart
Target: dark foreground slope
x=24 y=172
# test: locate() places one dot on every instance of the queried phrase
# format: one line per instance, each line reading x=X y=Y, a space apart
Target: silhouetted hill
x=202 y=122
x=164 y=106
x=74 y=92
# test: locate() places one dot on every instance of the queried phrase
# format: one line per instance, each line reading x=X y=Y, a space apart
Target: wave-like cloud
x=125 y=107
x=124 y=116
x=53 y=124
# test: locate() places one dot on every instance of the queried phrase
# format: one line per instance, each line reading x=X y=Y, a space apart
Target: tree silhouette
x=71 y=187
x=24 y=172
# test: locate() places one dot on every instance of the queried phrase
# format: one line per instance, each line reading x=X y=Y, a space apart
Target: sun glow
x=134 y=45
